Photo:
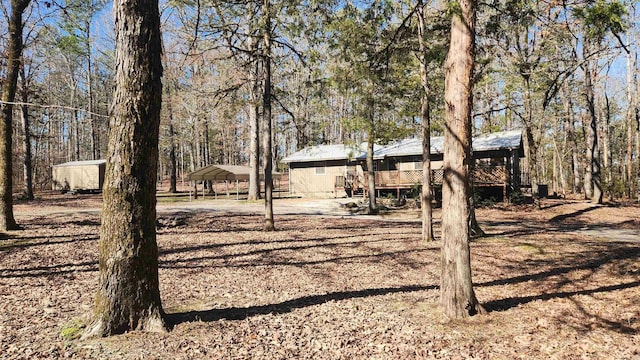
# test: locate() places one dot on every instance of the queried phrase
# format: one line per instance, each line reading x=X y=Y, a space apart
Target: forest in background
x=341 y=72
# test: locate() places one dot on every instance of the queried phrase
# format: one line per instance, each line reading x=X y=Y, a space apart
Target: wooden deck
x=483 y=176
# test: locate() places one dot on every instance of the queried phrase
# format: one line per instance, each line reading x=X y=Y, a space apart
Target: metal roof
x=485 y=142
x=83 y=163
x=221 y=172
x=326 y=152
x=408 y=147
x=225 y=172
x=501 y=140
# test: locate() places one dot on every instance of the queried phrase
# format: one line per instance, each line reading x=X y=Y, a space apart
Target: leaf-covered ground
x=562 y=282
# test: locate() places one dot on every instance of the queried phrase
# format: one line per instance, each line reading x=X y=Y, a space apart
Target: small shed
x=79 y=175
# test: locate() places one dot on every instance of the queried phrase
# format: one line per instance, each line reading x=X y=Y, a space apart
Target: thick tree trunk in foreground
x=128 y=296
x=457 y=297
x=14 y=53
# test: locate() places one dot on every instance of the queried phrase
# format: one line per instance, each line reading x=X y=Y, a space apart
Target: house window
x=321 y=170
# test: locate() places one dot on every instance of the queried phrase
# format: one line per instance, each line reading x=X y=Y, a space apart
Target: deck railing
x=481 y=175
x=397 y=178
x=489 y=175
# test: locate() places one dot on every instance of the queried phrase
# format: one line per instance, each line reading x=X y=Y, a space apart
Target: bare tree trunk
x=572 y=143
x=95 y=149
x=27 y=191
x=606 y=145
x=372 y=207
x=371 y=176
x=206 y=149
x=474 y=228
x=14 y=54
x=559 y=172
x=457 y=297
x=637 y=167
x=128 y=296
x=173 y=163
x=425 y=115
x=593 y=155
x=554 y=170
x=76 y=119
x=632 y=108
x=530 y=144
x=266 y=102
x=254 y=134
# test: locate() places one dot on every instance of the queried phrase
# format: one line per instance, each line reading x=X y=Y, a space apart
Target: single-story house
x=79 y=175
x=323 y=170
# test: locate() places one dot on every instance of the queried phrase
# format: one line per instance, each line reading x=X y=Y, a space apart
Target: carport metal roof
x=221 y=172
x=224 y=172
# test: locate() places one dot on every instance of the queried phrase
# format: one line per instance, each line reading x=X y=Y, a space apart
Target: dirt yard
x=562 y=282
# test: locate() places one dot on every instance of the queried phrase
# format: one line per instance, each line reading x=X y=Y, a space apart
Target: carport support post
x=215 y=189
x=204 y=187
x=237 y=190
x=195 y=189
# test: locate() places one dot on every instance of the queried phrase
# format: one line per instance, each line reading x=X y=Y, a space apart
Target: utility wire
x=53 y=107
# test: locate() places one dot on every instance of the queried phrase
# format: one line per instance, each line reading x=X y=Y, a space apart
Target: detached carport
x=226 y=173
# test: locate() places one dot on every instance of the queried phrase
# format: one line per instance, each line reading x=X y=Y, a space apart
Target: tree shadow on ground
x=21 y=242
x=551 y=206
x=557 y=274
x=561 y=223
x=285 y=306
x=60 y=221
x=321 y=241
x=268 y=257
x=583 y=262
x=270 y=261
x=52 y=270
x=563 y=217
x=508 y=303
